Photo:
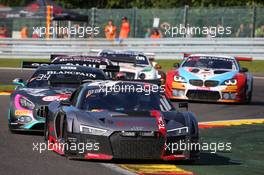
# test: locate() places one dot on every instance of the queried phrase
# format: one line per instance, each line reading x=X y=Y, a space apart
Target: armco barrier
x=165 y=48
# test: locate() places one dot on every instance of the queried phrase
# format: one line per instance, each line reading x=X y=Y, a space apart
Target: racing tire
x=249 y=95
x=195 y=139
x=46 y=130
x=9 y=126
x=194 y=154
x=65 y=135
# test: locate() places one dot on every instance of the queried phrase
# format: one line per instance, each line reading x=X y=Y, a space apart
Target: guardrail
x=165 y=48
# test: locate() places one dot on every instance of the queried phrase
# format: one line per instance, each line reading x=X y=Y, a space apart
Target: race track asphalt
x=18 y=158
x=16 y=150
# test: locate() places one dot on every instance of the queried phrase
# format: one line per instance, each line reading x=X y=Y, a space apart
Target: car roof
x=212 y=55
x=122 y=52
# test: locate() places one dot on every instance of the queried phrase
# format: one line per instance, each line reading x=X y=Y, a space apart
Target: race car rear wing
x=89 y=61
x=53 y=56
x=244 y=59
x=121 y=59
x=35 y=65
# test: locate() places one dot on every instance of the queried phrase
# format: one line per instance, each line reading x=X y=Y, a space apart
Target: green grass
x=246 y=156
x=254 y=66
x=17 y=62
x=7 y=88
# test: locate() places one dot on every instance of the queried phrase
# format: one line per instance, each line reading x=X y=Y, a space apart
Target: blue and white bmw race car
x=214 y=78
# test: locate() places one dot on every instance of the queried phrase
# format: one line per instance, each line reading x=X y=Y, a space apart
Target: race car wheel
x=64 y=136
x=194 y=154
x=249 y=95
x=9 y=125
x=64 y=130
x=46 y=130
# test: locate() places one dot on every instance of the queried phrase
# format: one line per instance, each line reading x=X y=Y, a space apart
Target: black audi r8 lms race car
x=48 y=83
x=120 y=125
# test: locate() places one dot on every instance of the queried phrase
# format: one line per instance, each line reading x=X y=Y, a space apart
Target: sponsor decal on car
x=56 y=97
x=22 y=112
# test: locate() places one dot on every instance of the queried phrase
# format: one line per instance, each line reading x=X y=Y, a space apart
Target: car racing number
x=42 y=77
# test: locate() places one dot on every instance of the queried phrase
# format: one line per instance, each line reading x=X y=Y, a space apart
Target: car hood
x=43 y=96
x=132 y=121
x=206 y=74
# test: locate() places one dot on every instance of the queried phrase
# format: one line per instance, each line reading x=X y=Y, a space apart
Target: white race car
x=133 y=65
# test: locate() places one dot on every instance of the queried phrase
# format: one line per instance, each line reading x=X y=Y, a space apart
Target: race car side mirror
x=244 y=69
x=65 y=102
x=19 y=82
x=183 y=105
x=176 y=65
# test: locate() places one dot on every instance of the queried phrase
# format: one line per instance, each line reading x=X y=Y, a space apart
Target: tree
x=139 y=3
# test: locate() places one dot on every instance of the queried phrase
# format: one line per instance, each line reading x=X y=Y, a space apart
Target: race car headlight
x=26 y=103
x=24 y=119
x=230 y=82
x=179 y=79
x=92 y=130
x=179 y=131
x=142 y=76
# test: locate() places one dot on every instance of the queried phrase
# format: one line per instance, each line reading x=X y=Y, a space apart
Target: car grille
x=203 y=95
x=196 y=82
x=207 y=83
x=211 y=83
x=42 y=111
x=137 y=147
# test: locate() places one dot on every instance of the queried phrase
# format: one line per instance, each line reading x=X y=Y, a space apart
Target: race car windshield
x=210 y=63
x=62 y=78
x=125 y=102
